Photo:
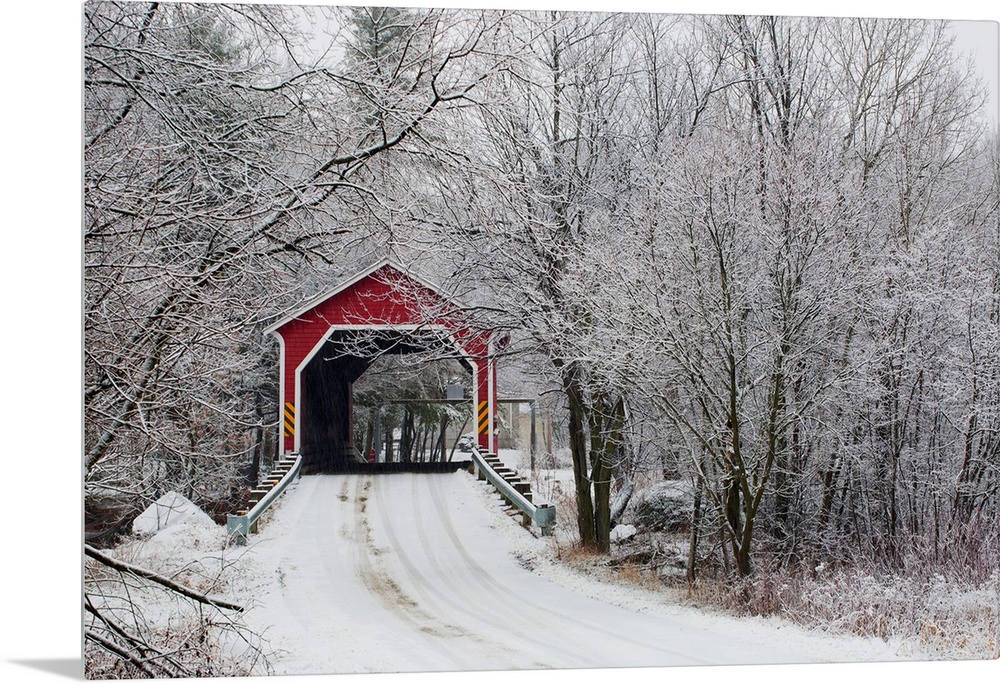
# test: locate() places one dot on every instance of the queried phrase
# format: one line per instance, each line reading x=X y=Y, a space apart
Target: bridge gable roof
x=385 y=295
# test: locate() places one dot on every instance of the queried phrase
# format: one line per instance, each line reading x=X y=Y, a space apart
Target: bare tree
x=215 y=177
x=550 y=133
x=223 y=178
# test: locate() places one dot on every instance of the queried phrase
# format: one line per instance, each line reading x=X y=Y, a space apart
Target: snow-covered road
x=404 y=572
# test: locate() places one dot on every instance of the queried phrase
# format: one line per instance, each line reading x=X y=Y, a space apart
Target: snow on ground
x=409 y=573
x=178 y=539
x=539 y=555
x=169 y=509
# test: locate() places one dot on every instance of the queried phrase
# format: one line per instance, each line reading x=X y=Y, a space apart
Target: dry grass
x=934 y=617
x=638 y=575
x=929 y=615
x=608 y=570
x=937 y=617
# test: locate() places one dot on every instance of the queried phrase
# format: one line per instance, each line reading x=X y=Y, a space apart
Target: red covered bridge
x=329 y=343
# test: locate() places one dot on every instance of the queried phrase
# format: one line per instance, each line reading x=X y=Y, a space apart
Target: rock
x=665 y=507
x=621 y=533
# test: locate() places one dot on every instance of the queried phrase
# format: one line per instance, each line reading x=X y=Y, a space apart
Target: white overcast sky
x=980 y=39
x=976 y=29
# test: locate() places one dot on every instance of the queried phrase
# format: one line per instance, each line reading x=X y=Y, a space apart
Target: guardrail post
x=238 y=528
x=545 y=518
x=240 y=525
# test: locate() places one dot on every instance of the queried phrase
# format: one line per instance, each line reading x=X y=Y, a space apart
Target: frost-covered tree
x=180 y=162
x=756 y=253
x=740 y=235
x=223 y=178
x=535 y=194
x=219 y=173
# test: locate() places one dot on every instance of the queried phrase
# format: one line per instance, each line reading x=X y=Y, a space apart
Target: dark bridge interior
x=327 y=381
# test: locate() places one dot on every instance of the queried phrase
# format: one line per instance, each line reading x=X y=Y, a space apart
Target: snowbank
x=170 y=509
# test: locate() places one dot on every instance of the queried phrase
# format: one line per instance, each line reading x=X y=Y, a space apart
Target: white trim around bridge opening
x=472 y=361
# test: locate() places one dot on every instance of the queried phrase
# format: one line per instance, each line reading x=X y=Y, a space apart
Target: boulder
x=666 y=507
x=622 y=532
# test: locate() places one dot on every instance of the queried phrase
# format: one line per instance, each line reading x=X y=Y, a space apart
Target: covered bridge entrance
x=328 y=344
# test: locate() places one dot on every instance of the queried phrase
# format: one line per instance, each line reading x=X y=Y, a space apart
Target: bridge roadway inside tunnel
x=412 y=572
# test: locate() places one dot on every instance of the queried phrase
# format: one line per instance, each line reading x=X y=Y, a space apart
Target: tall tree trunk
x=406 y=436
x=607 y=422
x=388 y=429
x=578 y=450
x=692 y=558
x=443 y=441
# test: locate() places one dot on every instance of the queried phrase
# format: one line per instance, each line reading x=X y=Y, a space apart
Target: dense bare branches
x=751 y=225
x=225 y=174
x=142 y=623
x=218 y=168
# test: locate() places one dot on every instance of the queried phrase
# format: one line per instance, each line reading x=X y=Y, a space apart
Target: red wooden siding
x=384 y=298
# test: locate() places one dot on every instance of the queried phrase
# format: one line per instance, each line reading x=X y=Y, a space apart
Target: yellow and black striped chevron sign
x=484 y=417
x=289 y=419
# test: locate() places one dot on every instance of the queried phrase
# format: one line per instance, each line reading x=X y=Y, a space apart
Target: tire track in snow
x=403 y=579
x=486 y=649
x=512 y=613
x=383 y=587
x=574 y=621
x=460 y=598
